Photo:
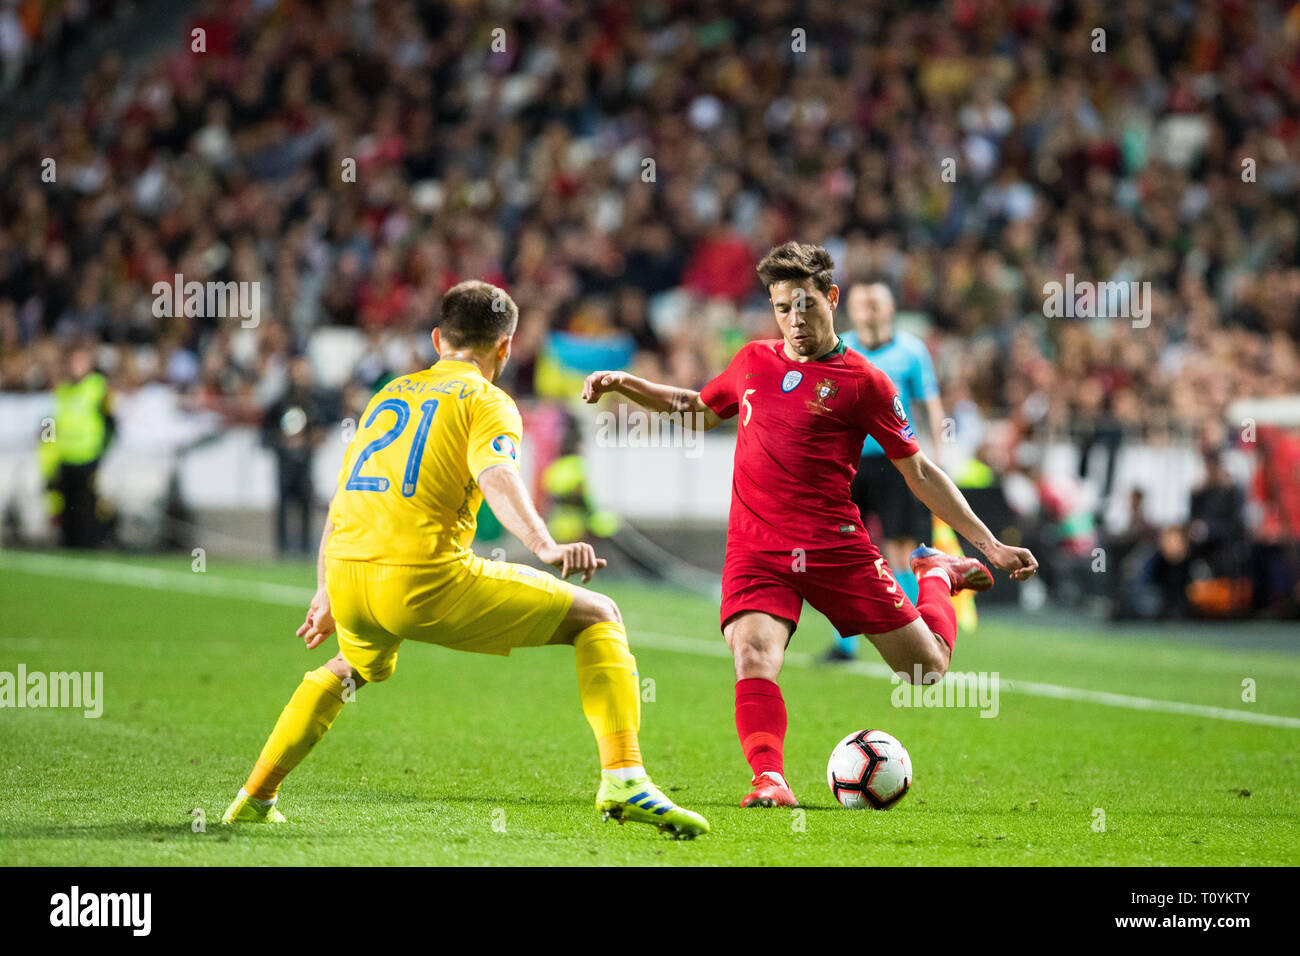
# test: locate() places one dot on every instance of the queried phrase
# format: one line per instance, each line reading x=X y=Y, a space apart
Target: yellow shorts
x=489 y=607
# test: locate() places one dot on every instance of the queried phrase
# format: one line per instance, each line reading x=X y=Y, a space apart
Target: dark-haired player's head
x=797 y=277
x=871 y=311
x=477 y=323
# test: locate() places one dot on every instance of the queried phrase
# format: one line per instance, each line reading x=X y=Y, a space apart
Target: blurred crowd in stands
x=36 y=33
x=620 y=168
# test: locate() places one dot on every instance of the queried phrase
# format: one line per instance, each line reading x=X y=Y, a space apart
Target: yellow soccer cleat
x=640 y=801
x=247 y=810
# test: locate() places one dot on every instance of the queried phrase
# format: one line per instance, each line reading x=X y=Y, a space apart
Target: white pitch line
x=157 y=579
x=669 y=642
x=160 y=579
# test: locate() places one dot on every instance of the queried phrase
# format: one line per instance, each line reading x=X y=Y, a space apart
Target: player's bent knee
x=344 y=671
x=927 y=668
x=756 y=657
x=589 y=608
x=754 y=662
x=939 y=667
x=592 y=607
x=936 y=661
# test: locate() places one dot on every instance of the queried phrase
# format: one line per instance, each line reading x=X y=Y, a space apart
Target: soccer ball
x=869 y=768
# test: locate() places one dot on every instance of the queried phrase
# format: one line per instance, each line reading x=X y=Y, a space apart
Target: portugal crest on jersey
x=826 y=389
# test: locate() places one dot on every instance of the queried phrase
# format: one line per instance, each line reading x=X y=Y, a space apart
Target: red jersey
x=802 y=425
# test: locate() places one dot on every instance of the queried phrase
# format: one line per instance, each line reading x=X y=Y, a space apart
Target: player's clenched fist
x=598 y=383
x=575 y=558
x=1018 y=561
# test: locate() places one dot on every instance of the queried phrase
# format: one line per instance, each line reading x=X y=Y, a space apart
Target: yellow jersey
x=407 y=492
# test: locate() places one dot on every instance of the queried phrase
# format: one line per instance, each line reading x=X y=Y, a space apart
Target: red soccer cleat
x=962 y=572
x=770 y=790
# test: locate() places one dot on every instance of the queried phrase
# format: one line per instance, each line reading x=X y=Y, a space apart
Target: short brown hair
x=796 y=262
x=476 y=314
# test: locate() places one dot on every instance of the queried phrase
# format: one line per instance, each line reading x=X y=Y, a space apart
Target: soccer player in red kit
x=805 y=404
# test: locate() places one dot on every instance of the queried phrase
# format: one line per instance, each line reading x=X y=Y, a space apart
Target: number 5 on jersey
x=884 y=572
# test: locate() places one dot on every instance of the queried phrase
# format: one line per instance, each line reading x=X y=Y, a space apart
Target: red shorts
x=852 y=585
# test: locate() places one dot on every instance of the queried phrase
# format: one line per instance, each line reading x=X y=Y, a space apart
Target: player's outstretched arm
x=506 y=495
x=651 y=395
x=936 y=490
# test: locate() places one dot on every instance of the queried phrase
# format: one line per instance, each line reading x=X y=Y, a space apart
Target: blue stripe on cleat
x=639 y=797
x=663 y=810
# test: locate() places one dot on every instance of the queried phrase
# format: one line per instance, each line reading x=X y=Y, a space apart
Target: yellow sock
x=611 y=698
x=304 y=720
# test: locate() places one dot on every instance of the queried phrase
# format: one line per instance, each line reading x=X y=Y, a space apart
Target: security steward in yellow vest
x=72 y=449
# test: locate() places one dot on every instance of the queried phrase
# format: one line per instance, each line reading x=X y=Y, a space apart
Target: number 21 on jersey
x=359 y=482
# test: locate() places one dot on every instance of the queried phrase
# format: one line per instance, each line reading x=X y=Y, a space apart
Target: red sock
x=760 y=722
x=934 y=601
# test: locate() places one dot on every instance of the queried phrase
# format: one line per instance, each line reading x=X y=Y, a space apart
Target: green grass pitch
x=468 y=759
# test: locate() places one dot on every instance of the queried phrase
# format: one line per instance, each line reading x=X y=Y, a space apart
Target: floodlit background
x=620 y=168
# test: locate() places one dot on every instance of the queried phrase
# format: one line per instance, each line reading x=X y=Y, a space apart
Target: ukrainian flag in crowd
x=567 y=359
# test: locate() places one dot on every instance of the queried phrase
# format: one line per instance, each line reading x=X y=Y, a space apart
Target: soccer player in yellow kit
x=395 y=565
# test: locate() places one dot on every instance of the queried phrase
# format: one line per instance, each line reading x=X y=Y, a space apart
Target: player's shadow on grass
x=312 y=800
x=735 y=805
x=433 y=799
x=121 y=830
